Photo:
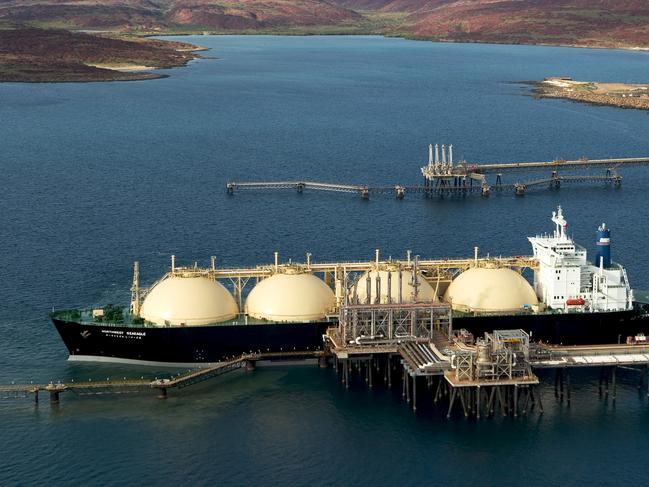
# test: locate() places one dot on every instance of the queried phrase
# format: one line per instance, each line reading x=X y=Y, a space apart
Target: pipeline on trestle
x=443 y=177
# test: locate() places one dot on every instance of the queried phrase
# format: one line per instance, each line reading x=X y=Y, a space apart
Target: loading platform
x=497 y=373
x=413 y=344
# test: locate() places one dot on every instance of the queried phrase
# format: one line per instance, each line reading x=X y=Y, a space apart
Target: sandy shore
x=125 y=68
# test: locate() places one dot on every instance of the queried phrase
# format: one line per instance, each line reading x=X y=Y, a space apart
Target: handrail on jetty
x=463 y=178
x=124 y=386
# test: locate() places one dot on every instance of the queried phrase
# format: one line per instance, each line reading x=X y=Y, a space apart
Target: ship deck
x=85 y=317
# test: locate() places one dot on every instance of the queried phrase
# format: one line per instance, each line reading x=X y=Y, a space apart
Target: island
x=56 y=55
x=623 y=95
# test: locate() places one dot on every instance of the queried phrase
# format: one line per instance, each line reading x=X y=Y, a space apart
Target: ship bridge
x=566 y=281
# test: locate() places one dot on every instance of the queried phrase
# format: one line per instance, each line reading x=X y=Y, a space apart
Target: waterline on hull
x=183 y=365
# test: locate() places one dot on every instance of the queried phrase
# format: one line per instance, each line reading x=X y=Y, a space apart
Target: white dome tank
x=194 y=300
x=425 y=292
x=291 y=296
x=484 y=289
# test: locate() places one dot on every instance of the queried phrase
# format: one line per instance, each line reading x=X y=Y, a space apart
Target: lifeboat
x=575 y=302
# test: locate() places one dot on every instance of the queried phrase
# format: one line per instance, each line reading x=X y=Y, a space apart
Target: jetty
x=160 y=385
x=387 y=335
x=494 y=373
x=442 y=177
x=412 y=346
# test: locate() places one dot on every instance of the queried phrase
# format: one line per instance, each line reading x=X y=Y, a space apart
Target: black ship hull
x=564 y=328
x=208 y=344
x=185 y=345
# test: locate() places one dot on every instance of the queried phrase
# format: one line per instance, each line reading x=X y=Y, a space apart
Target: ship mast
x=135 y=290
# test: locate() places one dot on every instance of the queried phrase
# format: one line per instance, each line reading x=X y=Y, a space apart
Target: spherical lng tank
x=188 y=300
x=484 y=289
x=290 y=296
x=425 y=292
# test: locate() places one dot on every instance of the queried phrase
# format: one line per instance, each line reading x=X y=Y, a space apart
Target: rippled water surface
x=98 y=175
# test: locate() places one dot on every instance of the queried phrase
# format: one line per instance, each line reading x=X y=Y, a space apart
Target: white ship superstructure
x=567 y=281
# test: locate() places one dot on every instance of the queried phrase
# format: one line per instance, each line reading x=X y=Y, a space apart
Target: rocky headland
x=55 y=55
x=621 y=95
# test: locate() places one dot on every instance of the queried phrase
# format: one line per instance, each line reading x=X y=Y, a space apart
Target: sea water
x=97 y=175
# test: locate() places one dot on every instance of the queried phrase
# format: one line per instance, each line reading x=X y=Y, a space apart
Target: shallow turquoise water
x=97 y=175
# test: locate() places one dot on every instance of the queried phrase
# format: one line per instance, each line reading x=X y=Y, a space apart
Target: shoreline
x=390 y=36
x=124 y=69
x=619 y=95
x=30 y=55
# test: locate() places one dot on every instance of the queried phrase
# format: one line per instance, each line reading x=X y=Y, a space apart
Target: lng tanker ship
x=198 y=315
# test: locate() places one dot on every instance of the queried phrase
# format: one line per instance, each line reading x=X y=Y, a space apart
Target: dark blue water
x=95 y=176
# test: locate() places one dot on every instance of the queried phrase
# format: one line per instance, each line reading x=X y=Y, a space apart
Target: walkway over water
x=497 y=373
x=125 y=385
x=557 y=164
x=444 y=178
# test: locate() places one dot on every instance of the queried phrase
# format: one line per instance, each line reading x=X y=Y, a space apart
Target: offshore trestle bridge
x=126 y=385
x=443 y=177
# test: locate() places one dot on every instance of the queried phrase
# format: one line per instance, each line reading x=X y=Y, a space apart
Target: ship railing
x=362 y=265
